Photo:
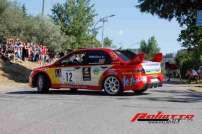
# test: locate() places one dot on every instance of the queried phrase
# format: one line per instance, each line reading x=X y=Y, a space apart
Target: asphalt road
x=86 y=112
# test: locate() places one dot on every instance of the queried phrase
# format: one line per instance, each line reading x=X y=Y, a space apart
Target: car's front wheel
x=112 y=86
x=42 y=84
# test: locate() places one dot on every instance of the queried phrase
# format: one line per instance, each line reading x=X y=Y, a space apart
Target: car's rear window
x=126 y=55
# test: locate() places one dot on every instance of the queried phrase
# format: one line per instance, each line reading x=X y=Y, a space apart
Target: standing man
x=43 y=55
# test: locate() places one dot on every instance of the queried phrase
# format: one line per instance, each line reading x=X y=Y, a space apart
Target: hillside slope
x=15 y=74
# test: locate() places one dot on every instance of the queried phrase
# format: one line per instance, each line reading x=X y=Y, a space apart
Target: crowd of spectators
x=17 y=50
x=193 y=74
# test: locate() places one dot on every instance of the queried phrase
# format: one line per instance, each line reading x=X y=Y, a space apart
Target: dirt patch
x=15 y=75
x=197 y=88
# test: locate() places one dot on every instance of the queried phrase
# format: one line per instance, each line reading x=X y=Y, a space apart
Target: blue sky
x=128 y=27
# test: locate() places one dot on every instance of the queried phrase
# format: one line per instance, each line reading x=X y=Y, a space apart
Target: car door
x=69 y=72
x=96 y=63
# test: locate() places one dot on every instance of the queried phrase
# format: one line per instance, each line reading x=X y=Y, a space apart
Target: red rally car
x=114 y=71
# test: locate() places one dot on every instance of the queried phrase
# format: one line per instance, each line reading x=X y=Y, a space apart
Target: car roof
x=95 y=49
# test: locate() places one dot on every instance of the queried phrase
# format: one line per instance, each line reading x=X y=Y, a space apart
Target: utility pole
x=43 y=5
x=103 y=20
x=103 y=29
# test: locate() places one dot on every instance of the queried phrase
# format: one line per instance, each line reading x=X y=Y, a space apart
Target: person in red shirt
x=43 y=55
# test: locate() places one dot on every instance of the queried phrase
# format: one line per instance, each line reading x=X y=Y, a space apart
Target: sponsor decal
x=86 y=74
x=128 y=73
x=58 y=73
x=161 y=117
x=131 y=73
x=96 y=71
x=96 y=57
x=101 y=61
x=151 y=67
x=130 y=81
x=125 y=81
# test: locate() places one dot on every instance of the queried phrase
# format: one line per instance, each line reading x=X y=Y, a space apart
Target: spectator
x=23 y=52
x=200 y=72
x=18 y=50
x=192 y=75
x=43 y=55
x=37 y=53
x=26 y=51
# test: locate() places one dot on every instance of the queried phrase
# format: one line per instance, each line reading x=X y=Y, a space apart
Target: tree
x=150 y=48
x=185 y=60
x=107 y=42
x=42 y=30
x=11 y=21
x=15 y=23
x=191 y=38
x=75 y=18
x=24 y=10
x=3 y=5
x=184 y=11
x=143 y=46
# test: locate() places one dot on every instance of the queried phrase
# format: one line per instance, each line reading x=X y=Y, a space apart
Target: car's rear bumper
x=155 y=80
x=154 y=85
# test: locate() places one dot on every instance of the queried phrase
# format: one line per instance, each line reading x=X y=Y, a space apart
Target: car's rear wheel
x=42 y=84
x=140 y=91
x=112 y=86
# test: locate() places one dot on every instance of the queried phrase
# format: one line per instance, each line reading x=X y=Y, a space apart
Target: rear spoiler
x=158 y=57
x=139 y=58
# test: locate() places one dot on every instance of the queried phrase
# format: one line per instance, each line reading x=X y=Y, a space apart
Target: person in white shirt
x=194 y=73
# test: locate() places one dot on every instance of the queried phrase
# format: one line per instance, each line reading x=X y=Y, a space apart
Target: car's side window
x=73 y=59
x=96 y=58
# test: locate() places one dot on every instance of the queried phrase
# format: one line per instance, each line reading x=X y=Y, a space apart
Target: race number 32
x=69 y=76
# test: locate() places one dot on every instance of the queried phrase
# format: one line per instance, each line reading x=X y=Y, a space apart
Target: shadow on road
x=14 y=71
x=176 y=82
x=180 y=96
x=80 y=92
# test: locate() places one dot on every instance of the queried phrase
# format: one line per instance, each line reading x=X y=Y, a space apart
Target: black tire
x=112 y=86
x=43 y=84
x=140 y=91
